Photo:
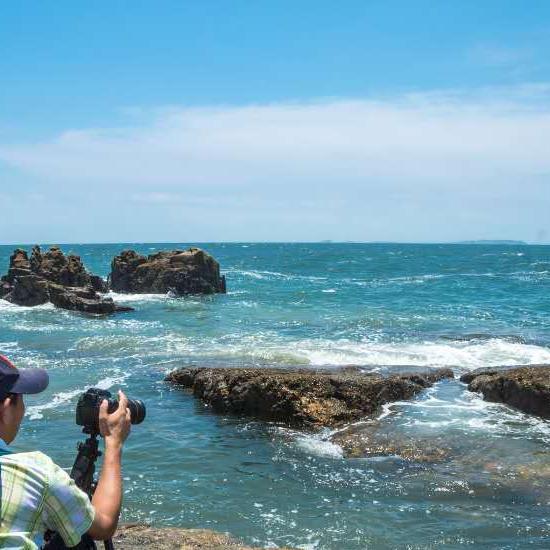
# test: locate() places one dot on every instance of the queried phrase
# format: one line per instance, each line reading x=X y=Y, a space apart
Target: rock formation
x=64 y=270
x=525 y=388
x=130 y=537
x=301 y=397
x=182 y=272
x=56 y=278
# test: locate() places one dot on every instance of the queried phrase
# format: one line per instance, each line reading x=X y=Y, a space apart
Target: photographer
x=36 y=493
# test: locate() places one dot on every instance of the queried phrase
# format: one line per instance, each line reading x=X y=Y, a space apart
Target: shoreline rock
x=191 y=271
x=525 y=388
x=129 y=537
x=56 y=278
x=302 y=397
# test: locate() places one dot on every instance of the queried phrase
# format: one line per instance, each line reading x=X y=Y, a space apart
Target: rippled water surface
x=305 y=305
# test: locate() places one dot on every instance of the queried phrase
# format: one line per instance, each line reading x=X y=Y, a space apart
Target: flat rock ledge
x=129 y=537
x=302 y=397
x=524 y=388
x=54 y=277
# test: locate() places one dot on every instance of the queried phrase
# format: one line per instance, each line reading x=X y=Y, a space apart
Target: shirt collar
x=3 y=445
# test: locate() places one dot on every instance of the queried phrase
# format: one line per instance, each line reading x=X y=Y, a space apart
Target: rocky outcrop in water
x=525 y=388
x=63 y=270
x=191 y=271
x=301 y=397
x=56 y=278
x=130 y=537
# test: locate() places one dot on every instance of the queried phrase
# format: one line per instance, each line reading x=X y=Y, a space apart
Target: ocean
x=308 y=305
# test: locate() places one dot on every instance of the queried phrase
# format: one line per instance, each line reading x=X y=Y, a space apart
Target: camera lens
x=137 y=410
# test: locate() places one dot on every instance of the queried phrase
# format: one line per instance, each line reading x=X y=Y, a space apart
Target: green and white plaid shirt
x=38 y=495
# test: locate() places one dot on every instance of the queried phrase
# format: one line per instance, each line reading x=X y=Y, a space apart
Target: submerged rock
x=301 y=397
x=129 y=537
x=525 y=388
x=191 y=271
x=56 y=278
x=364 y=440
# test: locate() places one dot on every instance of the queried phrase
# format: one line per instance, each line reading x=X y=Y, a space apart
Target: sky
x=303 y=120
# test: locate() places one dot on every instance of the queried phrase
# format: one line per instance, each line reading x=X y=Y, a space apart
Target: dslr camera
x=87 y=409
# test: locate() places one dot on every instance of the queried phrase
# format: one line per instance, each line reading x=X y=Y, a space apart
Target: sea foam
x=35 y=412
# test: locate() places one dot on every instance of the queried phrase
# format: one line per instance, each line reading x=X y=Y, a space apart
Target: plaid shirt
x=38 y=495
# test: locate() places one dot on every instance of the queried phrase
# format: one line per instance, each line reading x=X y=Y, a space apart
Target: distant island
x=488 y=241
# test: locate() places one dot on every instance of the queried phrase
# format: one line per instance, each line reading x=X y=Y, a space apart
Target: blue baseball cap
x=14 y=380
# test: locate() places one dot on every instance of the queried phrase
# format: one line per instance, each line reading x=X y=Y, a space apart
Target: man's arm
x=107 y=498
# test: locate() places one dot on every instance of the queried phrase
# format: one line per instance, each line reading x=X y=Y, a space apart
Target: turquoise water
x=306 y=305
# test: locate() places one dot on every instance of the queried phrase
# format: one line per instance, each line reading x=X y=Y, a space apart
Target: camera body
x=87 y=409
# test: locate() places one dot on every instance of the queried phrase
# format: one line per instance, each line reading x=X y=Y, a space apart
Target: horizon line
x=487 y=242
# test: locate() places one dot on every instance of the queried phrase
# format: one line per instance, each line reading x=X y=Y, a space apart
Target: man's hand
x=115 y=427
x=107 y=498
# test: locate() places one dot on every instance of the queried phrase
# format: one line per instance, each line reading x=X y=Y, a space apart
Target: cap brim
x=31 y=381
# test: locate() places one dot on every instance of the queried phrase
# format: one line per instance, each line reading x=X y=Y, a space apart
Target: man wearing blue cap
x=36 y=493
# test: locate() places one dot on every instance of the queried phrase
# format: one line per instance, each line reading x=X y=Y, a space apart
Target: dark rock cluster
x=191 y=271
x=56 y=278
x=301 y=397
x=525 y=388
x=63 y=280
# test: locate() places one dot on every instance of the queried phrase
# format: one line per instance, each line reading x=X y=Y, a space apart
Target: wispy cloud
x=424 y=166
x=430 y=136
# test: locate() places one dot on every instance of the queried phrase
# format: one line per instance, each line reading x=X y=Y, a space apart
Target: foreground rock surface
x=56 y=278
x=191 y=271
x=129 y=537
x=525 y=388
x=302 y=397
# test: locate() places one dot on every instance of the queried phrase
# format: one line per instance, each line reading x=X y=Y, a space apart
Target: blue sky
x=255 y=120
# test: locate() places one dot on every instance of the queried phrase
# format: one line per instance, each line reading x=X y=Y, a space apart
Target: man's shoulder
x=34 y=461
x=32 y=457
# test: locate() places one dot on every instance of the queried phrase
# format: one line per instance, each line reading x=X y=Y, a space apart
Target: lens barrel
x=137 y=410
x=136 y=406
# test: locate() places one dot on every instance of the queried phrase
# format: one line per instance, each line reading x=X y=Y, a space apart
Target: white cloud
x=432 y=139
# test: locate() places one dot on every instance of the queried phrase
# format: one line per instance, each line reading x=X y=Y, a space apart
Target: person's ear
x=4 y=406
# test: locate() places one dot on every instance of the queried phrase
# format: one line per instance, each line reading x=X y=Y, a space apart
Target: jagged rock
x=19 y=266
x=56 y=278
x=190 y=271
x=28 y=290
x=302 y=397
x=525 y=388
x=364 y=440
x=129 y=537
x=64 y=270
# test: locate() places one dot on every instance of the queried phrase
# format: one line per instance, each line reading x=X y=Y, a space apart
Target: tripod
x=83 y=474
